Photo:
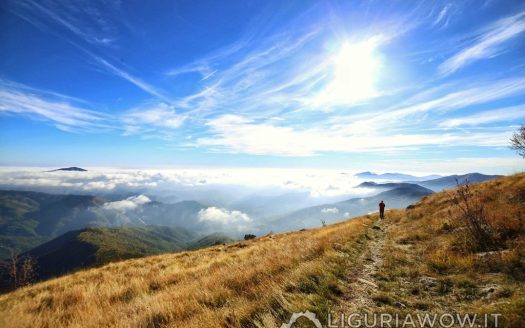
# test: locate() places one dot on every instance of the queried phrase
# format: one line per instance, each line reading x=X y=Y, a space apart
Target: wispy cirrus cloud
x=376 y=130
x=282 y=71
x=87 y=23
x=64 y=112
x=87 y=20
x=487 y=44
x=443 y=16
x=491 y=116
x=111 y=68
x=237 y=134
x=424 y=108
x=253 y=76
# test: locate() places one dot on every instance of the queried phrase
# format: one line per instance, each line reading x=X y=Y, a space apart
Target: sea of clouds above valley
x=235 y=196
x=317 y=183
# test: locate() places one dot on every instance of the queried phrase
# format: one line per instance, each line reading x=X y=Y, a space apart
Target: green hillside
x=29 y=218
x=97 y=246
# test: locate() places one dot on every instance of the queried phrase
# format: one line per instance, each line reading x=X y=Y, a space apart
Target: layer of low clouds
x=332 y=210
x=223 y=216
x=186 y=183
x=128 y=204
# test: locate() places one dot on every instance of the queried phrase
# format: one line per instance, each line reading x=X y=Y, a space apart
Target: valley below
x=422 y=259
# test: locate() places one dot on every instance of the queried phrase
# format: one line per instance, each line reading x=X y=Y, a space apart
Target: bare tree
x=21 y=270
x=517 y=142
x=12 y=268
x=27 y=272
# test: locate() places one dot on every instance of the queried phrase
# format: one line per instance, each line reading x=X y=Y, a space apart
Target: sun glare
x=355 y=69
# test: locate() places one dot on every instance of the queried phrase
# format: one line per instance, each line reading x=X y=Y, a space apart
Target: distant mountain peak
x=72 y=168
x=394 y=176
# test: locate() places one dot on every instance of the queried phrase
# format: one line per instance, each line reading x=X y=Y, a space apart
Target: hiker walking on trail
x=382 y=210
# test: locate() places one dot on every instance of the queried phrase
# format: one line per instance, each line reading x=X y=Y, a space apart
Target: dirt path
x=363 y=285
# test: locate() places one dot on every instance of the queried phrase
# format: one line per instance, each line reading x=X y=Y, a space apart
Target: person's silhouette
x=382 y=210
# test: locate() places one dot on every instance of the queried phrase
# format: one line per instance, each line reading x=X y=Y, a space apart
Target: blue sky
x=429 y=86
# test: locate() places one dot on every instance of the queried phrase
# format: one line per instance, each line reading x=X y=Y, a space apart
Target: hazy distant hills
x=261 y=205
x=384 y=186
x=182 y=214
x=449 y=182
x=394 y=176
x=437 y=184
x=29 y=218
x=398 y=197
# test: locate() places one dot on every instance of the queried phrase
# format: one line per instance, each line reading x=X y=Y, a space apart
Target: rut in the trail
x=363 y=286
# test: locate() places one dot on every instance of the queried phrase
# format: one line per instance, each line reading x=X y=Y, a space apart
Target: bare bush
x=479 y=234
x=517 y=142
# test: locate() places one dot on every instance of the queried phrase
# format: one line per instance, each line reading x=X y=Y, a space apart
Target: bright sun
x=355 y=68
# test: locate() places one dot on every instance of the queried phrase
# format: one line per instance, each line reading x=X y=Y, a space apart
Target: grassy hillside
x=93 y=247
x=436 y=261
x=255 y=280
x=419 y=260
x=30 y=218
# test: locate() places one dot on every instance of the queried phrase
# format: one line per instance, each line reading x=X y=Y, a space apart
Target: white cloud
x=171 y=185
x=473 y=95
x=240 y=135
x=332 y=210
x=486 y=45
x=415 y=112
x=442 y=15
x=144 y=86
x=144 y=119
x=19 y=99
x=95 y=29
x=221 y=215
x=127 y=204
x=492 y=116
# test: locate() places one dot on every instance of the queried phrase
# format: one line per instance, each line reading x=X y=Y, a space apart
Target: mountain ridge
x=399 y=197
x=70 y=169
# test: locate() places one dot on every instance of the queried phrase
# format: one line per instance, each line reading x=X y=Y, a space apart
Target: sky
x=411 y=86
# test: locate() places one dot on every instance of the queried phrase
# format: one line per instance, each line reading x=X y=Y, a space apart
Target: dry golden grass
x=425 y=267
x=428 y=266
x=244 y=284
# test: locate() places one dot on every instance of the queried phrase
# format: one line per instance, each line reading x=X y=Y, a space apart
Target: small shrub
x=447 y=227
x=249 y=236
x=472 y=215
